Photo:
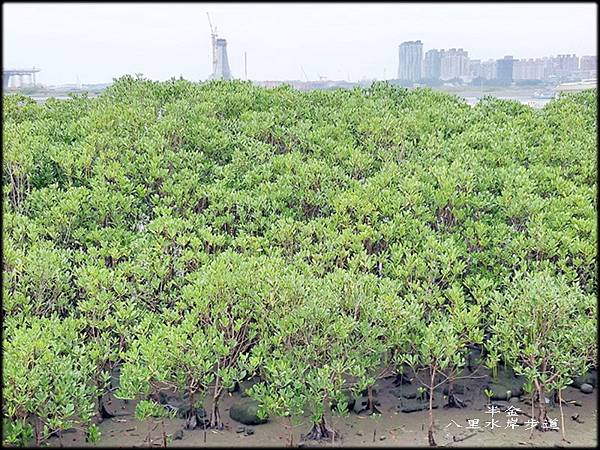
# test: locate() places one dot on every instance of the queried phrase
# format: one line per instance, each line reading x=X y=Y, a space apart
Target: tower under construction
x=221 y=69
x=220 y=63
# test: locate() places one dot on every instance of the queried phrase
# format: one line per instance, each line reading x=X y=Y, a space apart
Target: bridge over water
x=26 y=77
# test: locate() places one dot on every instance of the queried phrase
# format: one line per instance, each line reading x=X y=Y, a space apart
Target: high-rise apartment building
x=410 y=60
x=454 y=64
x=432 y=65
x=475 y=68
x=488 y=69
x=565 y=64
x=588 y=63
x=504 y=69
x=529 y=69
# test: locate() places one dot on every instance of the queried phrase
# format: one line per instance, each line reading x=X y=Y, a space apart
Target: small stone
x=576 y=418
x=382 y=438
x=249 y=431
x=240 y=429
x=178 y=435
x=359 y=433
x=586 y=388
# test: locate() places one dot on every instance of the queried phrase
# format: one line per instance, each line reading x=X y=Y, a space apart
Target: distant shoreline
x=472 y=94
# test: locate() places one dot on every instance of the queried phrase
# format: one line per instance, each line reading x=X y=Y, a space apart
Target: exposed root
x=455 y=402
x=431 y=439
x=191 y=421
x=371 y=408
x=322 y=431
x=215 y=419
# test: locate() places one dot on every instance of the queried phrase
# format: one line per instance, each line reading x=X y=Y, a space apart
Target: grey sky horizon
x=96 y=42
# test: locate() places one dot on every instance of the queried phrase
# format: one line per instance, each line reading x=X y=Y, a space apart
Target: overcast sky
x=97 y=42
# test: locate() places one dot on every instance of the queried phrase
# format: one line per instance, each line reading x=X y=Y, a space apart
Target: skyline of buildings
x=451 y=64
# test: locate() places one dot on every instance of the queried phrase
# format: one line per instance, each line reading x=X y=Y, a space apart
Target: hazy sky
x=97 y=42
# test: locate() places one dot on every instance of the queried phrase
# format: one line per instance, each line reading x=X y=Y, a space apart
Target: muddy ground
x=392 y=428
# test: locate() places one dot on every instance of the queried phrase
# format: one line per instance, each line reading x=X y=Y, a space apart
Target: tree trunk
x=215 y=416
x=38 y=432
x=371 y=408
x=562 y=416
x=191 y=421
x=291 y=440
x=164 y=435
x=453 y=400
x=430 y=437
x=543 y=410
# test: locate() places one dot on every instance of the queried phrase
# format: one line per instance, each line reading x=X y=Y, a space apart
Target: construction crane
x=213 y=34
x=305 y=77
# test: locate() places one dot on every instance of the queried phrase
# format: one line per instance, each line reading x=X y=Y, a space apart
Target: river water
x=536 y=103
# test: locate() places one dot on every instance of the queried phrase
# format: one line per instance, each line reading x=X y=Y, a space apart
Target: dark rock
x=178 y=435
x=365 y=393
x=350 y=400
x=161 y=398
x=502 y=405
x=396 y=393
x=104 y=414
x=588 y=378
x=115 y=377
x=415 y=408
x=360 y=433
x=403 y=378
x=586 y=388
x=415 y=405
x=410 y=395
x=175 y=403
x=473 y=359
x=249 y=431
x=240 y=429
x=506 y=385
x=202 y=418
x=246 y=412
x=113 y=407
x=245 y=385
x=360 y=404
x=181 y=412
x=191 y=422
x=457 y=389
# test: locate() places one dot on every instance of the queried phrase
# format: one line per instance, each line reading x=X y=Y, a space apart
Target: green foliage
x=545 y=329
x=47 y=378
x=202 y=234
